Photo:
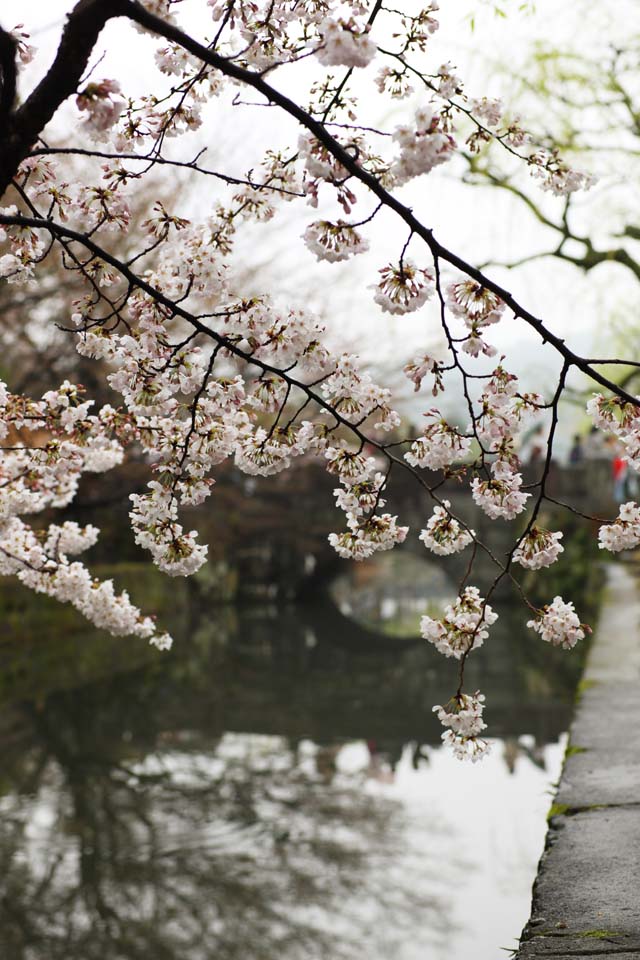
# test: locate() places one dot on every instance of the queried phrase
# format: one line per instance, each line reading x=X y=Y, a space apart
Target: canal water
x=273 y=788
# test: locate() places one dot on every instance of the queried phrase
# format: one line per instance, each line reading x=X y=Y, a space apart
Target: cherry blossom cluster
x=538 y=548
x=440 y=444
x=620 y=418
x=404 y=288
x=478 y=308
x=46 y=568
x=353 y=394
x=558 y=623
x=557 y=176
x=345 y=44
x=624 y=532
x=464 y=626
x=368 y=531
x=423 y=145
x=418 y=368
x=367 y=535
x=503 y=411
x=500 y=496
x=463 y=717
x=444 y=533
x=395 y=82
x=362 y=497
x=334 y=241
x=52 y=443
x=27 y=250
x=103 y=104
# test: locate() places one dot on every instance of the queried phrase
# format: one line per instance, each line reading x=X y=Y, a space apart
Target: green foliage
x=502 y=10
x=557 y=810
x=598 y=934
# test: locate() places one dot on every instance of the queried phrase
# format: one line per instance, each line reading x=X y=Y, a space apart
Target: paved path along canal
x=586 y=899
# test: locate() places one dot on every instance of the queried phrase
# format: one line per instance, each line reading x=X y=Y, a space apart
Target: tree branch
x=8 y=50
x=79 y=36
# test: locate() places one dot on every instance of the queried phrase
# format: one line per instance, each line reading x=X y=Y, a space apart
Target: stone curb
x=586 y=897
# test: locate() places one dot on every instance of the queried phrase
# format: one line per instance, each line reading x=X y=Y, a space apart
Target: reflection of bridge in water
x=308 y=670
x=287 y=519
x=305 y=671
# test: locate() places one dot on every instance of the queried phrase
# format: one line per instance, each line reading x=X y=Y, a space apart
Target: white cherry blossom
x=558 y=623
x=464 y=626
x=444 y=534
x=501 y=496
x=539 y=548
x=624 y=532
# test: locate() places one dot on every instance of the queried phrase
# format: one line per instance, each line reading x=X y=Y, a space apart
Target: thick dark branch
x=79 y=36
x=8 y=50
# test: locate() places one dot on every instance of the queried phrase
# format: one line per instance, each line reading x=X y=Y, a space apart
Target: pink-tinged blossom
x=155 y=526
x=42 y=564
x=503 y=409
x=448 y=83
x=477 y=305
x=350 y=466
x=464 y=627
x=261 y=455
x=404 y=288
x=319 y=163
x=394 y=82
x=624 y=532
x=444 y=534
x=367 y=535
x=10 y=268
x=422 y=145
x=440 y=445
x=490 y=111
x=558 y=623
x=103 y=104
x=24 y=50
x=557 y=176
x=418 y=368
x=474 y=345
x=345 y=44
x=466 y=748
x=621 y=418
x=539 y=548
x=354 y=395
x=501 y=496
x=463 y=716
x=361 y=498
x=163 y=641
x=334 y=241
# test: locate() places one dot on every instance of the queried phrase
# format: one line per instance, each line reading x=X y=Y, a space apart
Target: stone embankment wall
x=586 y=898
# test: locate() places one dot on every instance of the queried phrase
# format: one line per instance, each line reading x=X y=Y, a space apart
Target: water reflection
x=271 y=790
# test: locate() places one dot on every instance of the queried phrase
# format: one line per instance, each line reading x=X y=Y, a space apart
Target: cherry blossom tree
x=206 y=374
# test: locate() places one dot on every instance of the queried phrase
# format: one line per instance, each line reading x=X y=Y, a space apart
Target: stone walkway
x=586 y=900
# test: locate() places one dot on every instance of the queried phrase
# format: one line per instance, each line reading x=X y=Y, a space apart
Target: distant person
x=619 y=470
x=594 y=445
x=537 y=450
x=576 y=454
